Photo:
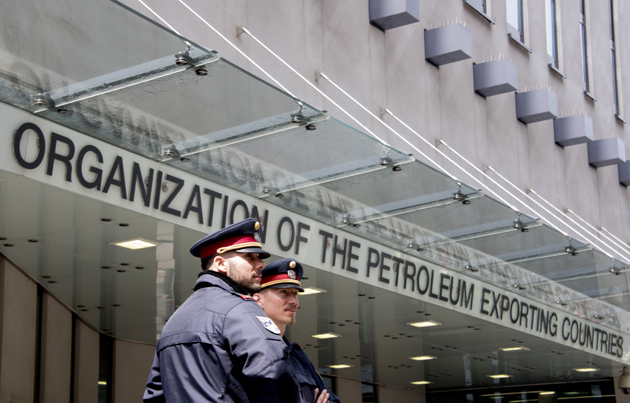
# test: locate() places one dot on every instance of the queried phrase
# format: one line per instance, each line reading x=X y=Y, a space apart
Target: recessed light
x=514 y=348
x=340 y=366
x=421 y=382
x=423 y=358
x=135 y=244
x=312 y=290
x=590 y=369
x=499 y=376
x=426 y=323
x=326 y=335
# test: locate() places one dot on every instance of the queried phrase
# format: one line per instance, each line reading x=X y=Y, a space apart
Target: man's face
x=246 y=269
x=280 y=304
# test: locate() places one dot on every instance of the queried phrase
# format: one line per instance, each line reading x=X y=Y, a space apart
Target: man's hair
x=207 y=263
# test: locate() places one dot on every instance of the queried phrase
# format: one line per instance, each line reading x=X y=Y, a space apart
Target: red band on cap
x=231 y=243
x=276 y=278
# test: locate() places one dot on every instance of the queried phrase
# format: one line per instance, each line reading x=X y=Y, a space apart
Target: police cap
x=239 y=237
x=283 y=273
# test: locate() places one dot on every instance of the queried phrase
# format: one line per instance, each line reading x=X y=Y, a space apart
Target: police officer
x=218 y=345
x=278 y=298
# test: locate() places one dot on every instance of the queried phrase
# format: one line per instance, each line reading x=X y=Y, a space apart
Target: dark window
x=330 y=383
x=368 y=392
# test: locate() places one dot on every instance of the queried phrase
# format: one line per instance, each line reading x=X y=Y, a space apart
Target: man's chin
x=252 y=288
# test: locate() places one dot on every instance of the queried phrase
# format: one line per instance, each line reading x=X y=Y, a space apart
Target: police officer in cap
x=217 y=345
x=278 y=297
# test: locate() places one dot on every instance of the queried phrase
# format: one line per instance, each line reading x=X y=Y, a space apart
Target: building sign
x=60 y=157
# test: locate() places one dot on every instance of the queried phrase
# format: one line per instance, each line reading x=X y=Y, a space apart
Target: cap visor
x=261 y=253
x=286 y=285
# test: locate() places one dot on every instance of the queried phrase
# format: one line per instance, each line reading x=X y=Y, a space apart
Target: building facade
x=452 y=174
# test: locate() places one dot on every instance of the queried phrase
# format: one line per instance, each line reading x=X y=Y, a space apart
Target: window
x=587 y=87
x=552 y=37
x=613 y=57
x=515 y=20
x=368 y=392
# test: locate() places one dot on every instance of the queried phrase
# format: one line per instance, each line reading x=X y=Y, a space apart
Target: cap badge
x=256 y=226
x=268 y=324
x=292 y=264
x=291 y=274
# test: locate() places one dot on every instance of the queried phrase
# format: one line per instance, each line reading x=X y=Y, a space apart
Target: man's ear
x=221 y=263
x=259 y=300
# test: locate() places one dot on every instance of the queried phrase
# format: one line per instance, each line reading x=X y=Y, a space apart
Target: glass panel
x=285 y=162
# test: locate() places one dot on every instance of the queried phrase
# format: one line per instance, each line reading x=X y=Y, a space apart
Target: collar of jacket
x=223 y=281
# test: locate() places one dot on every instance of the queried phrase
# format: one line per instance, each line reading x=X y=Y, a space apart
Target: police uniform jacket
x=214 y=348
x=306 y=375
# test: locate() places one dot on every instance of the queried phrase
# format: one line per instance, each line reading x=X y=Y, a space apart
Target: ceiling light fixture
x=589 y=369
x=312 y=290
x=514 y=349
x=340 y=366
x=423 y=358
x=326 y=335
x=499 y=376
x=135 y=244
x=421 y=383
x=424 y=324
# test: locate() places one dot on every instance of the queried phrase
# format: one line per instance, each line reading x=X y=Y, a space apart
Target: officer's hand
x=323 y=398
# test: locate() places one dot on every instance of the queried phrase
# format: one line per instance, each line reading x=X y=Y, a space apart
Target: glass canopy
x=103 y=70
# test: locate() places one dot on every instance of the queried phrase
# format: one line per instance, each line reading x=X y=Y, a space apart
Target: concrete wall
x=37 y=337
x=132 y=362
x=56 y=352
x=85 y=363
x=388 y=70
x=349 y=391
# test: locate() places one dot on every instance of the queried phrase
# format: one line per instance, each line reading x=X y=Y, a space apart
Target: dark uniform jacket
x=216 y=349
x=306 y=375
